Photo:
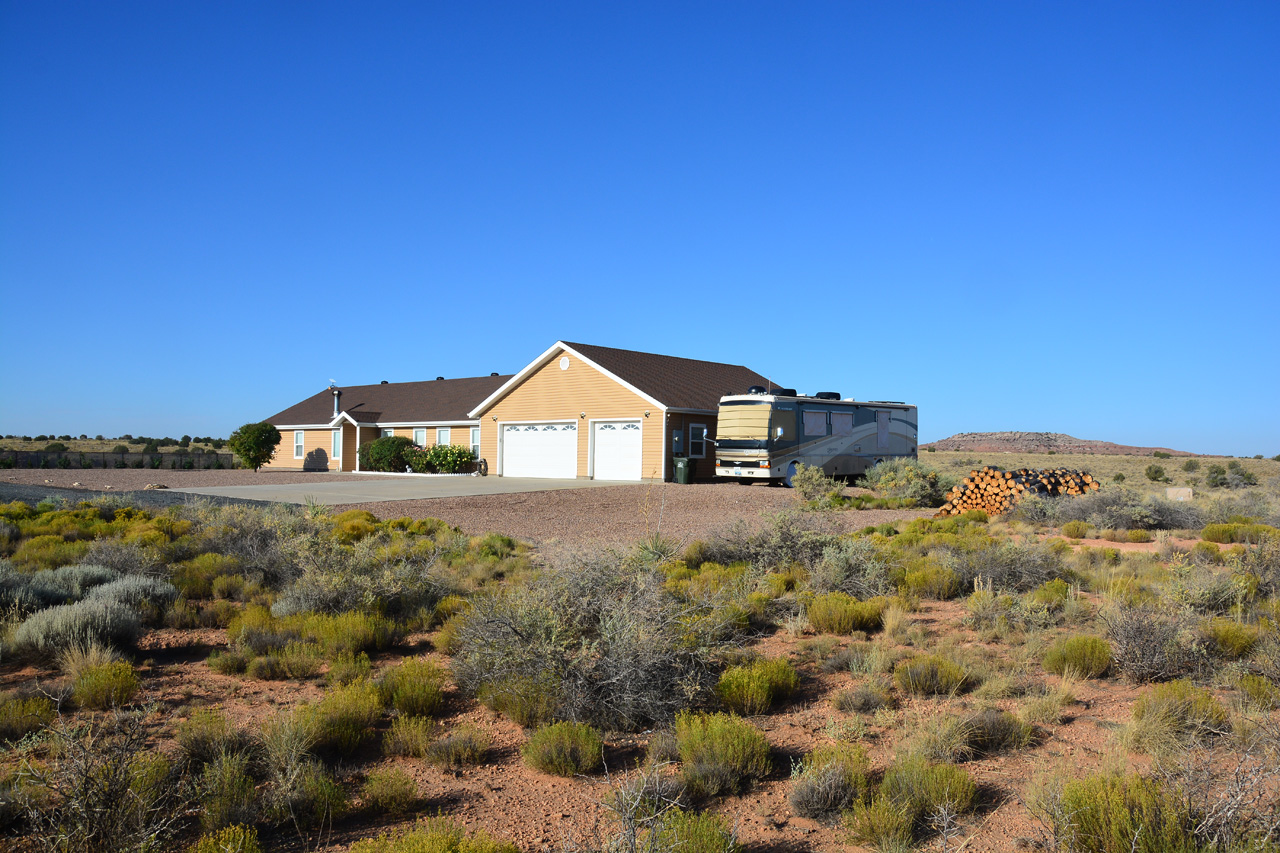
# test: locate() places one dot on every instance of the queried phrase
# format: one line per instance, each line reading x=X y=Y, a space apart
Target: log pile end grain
x=995 y=491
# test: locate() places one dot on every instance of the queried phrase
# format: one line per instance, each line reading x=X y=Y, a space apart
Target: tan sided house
x=575 y=411
x=323 y=431
x=580 y=410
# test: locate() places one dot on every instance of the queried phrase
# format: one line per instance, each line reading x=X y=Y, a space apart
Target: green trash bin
x=683 y=470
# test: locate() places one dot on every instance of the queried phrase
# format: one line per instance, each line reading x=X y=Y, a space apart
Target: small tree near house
x=255 y=443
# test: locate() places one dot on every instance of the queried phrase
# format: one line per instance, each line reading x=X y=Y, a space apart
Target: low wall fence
x=106 y=459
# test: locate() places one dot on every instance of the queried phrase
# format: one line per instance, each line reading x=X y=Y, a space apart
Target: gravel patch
x=617 y=516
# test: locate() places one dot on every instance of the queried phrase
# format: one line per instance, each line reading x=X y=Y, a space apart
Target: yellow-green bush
x=1230 y=639
x=719 y=752
x=1229 y=533
x=911 y=791
x=105 y=686
x=389 y=790
x=1260 y=691
x=930 y=675
x=1075 y=529
x=1052 y=594
x=694 y=832
x=564 y=749
x=1083 y=655
x=20 y=715
x=48 y=552
x=438 y=835
x=931 y=581
x=1171 y=715
x=1123 y=814
x=753 y=688
x=840 y=613
x=231 y=839
x=344 y=719
x=414 y=688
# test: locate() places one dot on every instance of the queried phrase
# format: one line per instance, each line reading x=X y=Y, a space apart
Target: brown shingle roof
x=678 y=383
x=434 y=401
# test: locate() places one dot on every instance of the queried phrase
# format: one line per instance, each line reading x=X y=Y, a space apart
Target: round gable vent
x=564 y=362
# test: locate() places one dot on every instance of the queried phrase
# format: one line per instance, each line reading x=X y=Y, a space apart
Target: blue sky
x=1032 y=216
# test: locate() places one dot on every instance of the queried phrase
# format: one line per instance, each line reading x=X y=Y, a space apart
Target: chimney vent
x=384 y=382
x=336 y=395
x=438 y=378
x=495 y=373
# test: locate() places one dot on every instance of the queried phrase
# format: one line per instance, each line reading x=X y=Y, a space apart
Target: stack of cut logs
x=995 y=492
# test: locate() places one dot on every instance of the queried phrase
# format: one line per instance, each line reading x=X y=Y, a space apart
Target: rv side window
x=784 y=427
x=842 y=423
x=815 y=423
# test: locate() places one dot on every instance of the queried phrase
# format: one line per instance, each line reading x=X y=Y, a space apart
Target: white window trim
x=475 y=441
x=336 y=444
x=689 y=449
x=448 y=435
x=299 y=444
x=422 y=430
x=386 y=432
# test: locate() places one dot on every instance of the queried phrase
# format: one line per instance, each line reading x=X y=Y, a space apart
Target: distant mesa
x=1040 y=442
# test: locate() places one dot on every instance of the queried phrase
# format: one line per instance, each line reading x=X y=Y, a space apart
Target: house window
x=299 y=446
x=475 y=442
x=697 y=441
x=337 y=444
x=420 y=437
x=442 y=435
x=388 y=432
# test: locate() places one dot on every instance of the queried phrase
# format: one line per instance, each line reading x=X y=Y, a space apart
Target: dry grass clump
x=414 y=688
x=462 y=746
x=830 y=780
x=232 y=839
x=206 y=734
x=1261 y=692
x=753 y=688
x=227 y=792
x=913 y=795
x=564 y=749
x=1174 y=715
x=409 y=736
x=389 y=790
x=866 y=698
x=21 y=715
x=1145 y=644
x=931 y=675
x=1082 y=655
x=1230 y=639
x=1122 y=814
x=840 y=613
x=344 y=719
x=438 y=835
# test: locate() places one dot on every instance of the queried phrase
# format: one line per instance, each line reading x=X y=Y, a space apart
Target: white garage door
x=540 y=450
x=616 y=450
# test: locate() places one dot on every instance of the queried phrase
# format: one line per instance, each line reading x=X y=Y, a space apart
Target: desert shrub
x=692 y=832
x=908 y=478
x=51 y=631
x=931 y=581
x=788 y=538
x=931 y=675
x=1006 y=565
x=852 y=566
x=75 y=660
x=21 y=715
x=344 y=718
x=1123 y=814
x=865 y=698
x=812 y=484
x=414 y=688
x=1082 y=655
x=1260 y=691
x=1230 y=639
x=1075 y=529
x=228 y=587
x=206 y=734
x=1155 y=473
x=464 y=745
x=346 y=668
x=308 y=798
x=438 y=835
x=719 y=753
x=1173 y=715
x=830 y=780
x=839 y=613
x=105 y=686
x=912 y=791
x=136 y=591
x=589 y=643
x=564 y=749
x=753 y=688
x=881 y=823
x=1145 y=644
x=230 y=662
x=103 y=790
x=389 y=790
x=227 y=792
x=1237 y=532
x=266 y=668
x=409 y=736
x=231 y=839
x=991 y=731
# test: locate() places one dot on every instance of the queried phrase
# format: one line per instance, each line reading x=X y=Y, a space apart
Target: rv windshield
x=743 y=422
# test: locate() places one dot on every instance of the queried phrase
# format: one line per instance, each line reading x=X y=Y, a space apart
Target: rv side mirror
x=779 y=433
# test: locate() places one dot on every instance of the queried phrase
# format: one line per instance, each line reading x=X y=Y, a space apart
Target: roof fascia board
x=514 y=381
x=473 y=422
x=302 y=426
x=694 y=411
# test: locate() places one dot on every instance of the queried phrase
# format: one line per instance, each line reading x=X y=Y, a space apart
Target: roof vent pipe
x=336 y=395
